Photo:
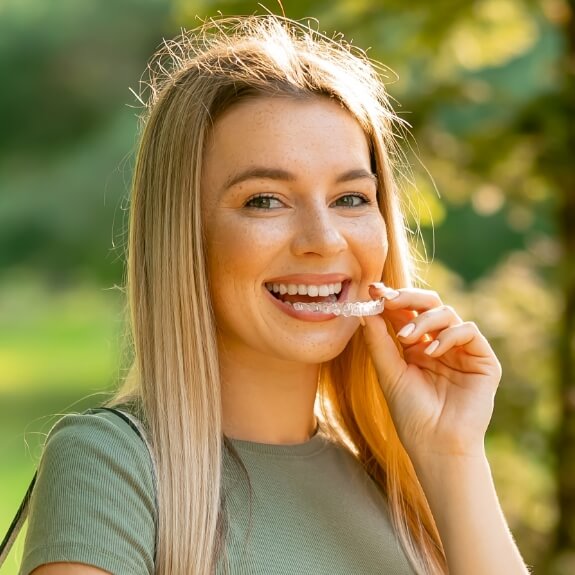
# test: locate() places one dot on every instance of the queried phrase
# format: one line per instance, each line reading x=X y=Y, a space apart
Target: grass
x=59 y=352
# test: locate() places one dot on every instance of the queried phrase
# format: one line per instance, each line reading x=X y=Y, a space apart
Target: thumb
x=385 y=354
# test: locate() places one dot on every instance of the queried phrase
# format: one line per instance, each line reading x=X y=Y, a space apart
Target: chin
x=316 y=352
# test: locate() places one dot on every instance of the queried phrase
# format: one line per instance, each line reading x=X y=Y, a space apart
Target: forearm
x=470 y=521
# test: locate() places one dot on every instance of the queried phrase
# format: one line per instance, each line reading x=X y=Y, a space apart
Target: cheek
x=371 y=244
x=238 y=251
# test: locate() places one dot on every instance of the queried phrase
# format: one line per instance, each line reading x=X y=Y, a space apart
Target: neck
x=271 y=404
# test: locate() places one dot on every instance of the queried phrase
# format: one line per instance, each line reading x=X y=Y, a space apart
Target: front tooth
x=331 y=289
x=323 y=291
x=337 y=287
x=292 y=289
x=302 y=289
x=276 y=288
x=283 y=289
x=312 y=291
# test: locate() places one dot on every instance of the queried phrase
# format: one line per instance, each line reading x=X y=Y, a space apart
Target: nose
x=319 y=232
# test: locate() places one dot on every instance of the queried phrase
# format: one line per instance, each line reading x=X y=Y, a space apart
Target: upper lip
x=309 y=279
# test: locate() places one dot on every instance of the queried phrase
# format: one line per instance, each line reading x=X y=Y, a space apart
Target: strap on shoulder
x=130 y=420
x=22 y=512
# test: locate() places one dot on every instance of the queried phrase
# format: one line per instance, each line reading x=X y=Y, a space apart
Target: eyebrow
x=260 y=172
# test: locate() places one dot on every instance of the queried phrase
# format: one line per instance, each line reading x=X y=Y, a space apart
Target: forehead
x=304 y=136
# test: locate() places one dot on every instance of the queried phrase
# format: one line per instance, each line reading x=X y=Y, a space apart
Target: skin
x=307 y=228
x=68 y=569
x=440 y=394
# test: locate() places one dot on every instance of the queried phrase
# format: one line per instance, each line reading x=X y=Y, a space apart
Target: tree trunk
x=563 y=549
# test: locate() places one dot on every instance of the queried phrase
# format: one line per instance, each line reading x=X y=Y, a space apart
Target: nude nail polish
x=431 y=347
x=389 y=293
x=406 y=330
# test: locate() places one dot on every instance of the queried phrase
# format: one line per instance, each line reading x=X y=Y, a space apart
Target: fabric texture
x=306 y=509
x=94 y=498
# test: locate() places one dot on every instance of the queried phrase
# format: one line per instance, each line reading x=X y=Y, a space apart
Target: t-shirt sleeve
x=94 y=498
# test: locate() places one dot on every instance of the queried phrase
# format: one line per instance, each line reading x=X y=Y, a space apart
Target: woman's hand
x=440 y=391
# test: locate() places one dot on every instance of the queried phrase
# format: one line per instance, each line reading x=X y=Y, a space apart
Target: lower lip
x=312 y=316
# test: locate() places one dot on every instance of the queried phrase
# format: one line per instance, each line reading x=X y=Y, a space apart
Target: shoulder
x=99 y=443
x=94 y=499
x=100 y=431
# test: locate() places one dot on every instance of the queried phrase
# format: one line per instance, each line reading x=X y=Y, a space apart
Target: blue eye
x=264 y=202
x=351 y=201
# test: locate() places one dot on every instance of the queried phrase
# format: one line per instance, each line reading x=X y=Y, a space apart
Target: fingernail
x=361 y=321
x=389 y=293
x=406 y=330
x=431 y=347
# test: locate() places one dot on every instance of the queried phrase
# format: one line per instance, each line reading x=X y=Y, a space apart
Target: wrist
x=436 y=471
x=455 y=455
x=464 y=504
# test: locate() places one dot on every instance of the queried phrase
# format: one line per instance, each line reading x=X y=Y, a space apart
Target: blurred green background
x=488 y=87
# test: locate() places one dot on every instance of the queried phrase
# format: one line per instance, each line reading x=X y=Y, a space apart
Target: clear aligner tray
x=347 y=309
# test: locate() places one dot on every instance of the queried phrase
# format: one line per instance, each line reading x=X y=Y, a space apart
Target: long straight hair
x=175 y=374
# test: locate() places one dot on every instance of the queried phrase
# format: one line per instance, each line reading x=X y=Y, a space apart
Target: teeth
x=323 y=290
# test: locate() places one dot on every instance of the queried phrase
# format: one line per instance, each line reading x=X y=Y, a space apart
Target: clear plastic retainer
x=347 y=309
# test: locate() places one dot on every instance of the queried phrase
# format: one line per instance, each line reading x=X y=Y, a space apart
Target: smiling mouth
x=306 y=293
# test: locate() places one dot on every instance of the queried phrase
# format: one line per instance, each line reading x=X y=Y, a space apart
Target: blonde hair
x=175 y=374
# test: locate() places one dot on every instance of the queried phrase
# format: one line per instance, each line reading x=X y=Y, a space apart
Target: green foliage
x=60 y=351
x=483 y=86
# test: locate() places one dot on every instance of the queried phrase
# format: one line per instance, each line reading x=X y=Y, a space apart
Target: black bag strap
x=17 y=522
x=22 y=512
x=122 y=415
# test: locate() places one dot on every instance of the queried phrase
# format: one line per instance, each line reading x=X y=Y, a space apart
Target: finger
x=405 y=298
x=387 y=359
x=398 y=318
x=465 y=335
x=456 y=359
x=429 y=322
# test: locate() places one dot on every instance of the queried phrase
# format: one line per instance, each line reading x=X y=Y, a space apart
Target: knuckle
x=435 y=296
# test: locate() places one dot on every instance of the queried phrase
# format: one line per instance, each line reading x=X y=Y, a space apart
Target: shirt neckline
x=314 y=444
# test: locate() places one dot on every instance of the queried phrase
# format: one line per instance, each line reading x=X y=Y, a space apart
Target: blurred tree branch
x=562 y=172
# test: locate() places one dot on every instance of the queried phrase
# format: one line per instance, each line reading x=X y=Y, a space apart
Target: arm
x=440 y=393
x=68 y=569
x=466 y=510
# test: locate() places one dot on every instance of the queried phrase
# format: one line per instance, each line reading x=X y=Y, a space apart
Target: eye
x=264 y=202
x=351 y=201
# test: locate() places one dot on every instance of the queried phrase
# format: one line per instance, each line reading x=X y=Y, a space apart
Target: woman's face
x=289 y=203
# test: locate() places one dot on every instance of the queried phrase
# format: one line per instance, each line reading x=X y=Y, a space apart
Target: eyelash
x=261 y=197
x=366 y=200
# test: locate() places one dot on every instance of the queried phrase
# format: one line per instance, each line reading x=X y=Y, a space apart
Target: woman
x=265 y=178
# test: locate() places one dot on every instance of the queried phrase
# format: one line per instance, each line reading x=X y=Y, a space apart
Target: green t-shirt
x=314 y=510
